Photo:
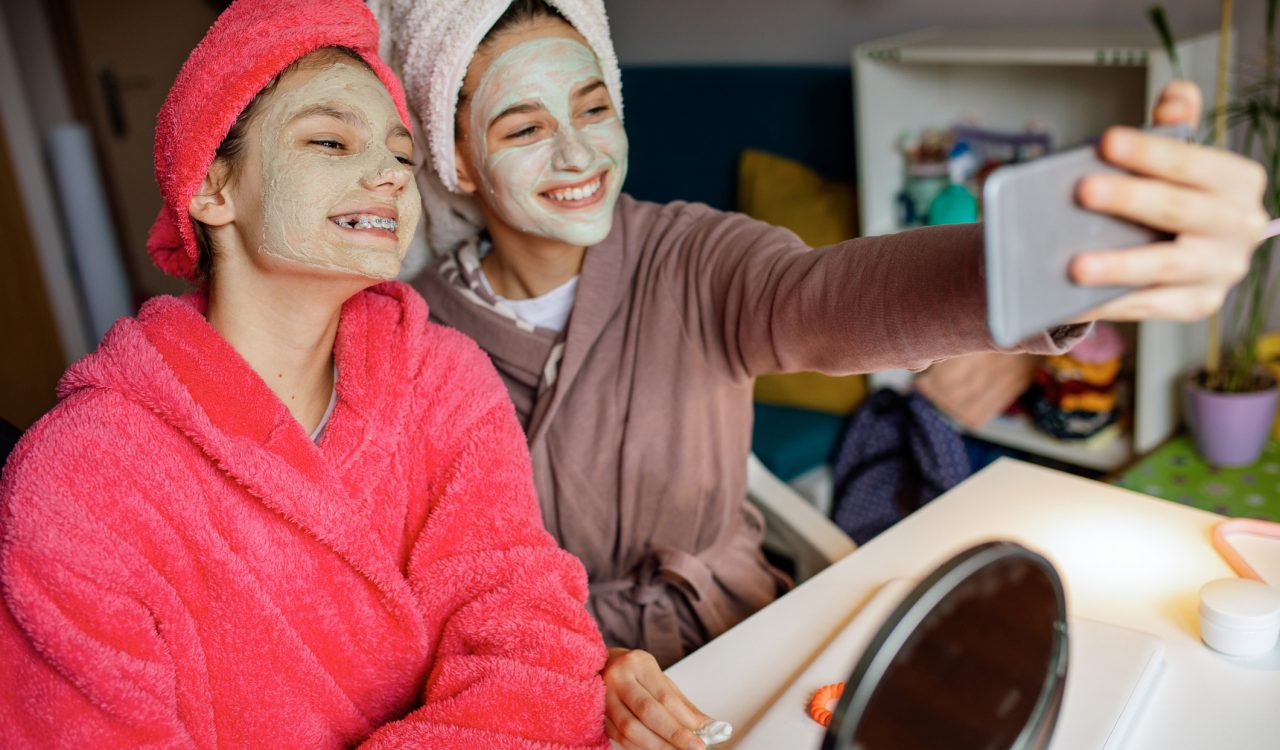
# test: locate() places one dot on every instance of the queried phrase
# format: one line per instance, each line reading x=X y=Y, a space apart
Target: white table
x=1125 y=558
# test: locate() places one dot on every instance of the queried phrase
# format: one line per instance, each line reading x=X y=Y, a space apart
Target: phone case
x=1033 y=227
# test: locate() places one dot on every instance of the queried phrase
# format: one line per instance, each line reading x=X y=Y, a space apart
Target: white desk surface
x=1125 y=558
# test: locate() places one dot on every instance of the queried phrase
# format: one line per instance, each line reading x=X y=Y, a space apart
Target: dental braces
x=367 y=222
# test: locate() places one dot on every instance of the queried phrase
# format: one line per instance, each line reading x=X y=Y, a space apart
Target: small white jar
x=1239 y=617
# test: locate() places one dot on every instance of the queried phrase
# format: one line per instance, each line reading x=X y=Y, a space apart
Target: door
x=33 y=358
x=127 y=55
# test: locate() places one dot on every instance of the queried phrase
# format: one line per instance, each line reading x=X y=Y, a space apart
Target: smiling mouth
x=577 y=196
x=366 y=221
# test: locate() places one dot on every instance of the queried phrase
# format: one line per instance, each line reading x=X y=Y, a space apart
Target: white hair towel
x=430 y=43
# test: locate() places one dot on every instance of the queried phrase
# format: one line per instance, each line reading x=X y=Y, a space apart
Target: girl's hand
x=643 y=710
x=1209 y=199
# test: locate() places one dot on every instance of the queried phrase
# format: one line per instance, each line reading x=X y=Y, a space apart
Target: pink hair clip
x=1222 y=541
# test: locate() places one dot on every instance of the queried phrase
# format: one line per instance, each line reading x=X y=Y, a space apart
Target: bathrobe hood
x=174 y=363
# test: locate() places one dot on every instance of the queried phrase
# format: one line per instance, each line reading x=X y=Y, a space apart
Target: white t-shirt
x=550 y=310
x=328 y=412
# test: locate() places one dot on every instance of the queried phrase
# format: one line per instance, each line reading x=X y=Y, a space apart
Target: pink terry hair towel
x=249 y=45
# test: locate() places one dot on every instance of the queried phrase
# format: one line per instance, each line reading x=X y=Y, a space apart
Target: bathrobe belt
x=650 y=586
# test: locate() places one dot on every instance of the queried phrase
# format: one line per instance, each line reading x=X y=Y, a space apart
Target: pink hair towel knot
x=248 y=46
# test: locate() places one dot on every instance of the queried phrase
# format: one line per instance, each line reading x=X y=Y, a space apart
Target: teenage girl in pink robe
x=286 y=511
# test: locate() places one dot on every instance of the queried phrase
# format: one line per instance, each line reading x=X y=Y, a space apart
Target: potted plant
x=1230 y=404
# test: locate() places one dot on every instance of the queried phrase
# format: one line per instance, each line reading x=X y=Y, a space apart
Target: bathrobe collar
x=173 y=362
x=534 y=356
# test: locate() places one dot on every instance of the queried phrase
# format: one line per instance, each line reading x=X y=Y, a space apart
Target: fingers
x=1172 y=208
x=1182 y=304
x=1160 y=264
x=644 y=709
x=1180 y=101
x=1200 y=167
x=1210 y=199
x=629 y=730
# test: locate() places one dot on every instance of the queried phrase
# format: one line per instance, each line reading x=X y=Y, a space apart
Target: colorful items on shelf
x=944 y=170
x=1074 y=395
x=956 y=204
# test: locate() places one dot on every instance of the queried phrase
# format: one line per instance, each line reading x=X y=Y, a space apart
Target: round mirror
x=975 y=658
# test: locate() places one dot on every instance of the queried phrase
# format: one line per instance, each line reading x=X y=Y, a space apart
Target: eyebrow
x=523 y=108
x=347 y=117
x=324 y=110
x=588 y=88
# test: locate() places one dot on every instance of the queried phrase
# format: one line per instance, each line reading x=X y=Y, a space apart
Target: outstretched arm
x=757 y=300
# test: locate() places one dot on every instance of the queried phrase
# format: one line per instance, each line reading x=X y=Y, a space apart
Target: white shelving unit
x=1074 y=85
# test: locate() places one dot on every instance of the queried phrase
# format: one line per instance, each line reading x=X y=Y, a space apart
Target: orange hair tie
x=826 y=694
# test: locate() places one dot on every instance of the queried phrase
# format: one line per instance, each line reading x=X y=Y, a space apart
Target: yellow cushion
x=788 y=194
x=812 y=390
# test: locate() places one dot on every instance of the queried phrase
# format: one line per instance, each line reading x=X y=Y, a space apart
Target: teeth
x=577 y=193
x=366 y=221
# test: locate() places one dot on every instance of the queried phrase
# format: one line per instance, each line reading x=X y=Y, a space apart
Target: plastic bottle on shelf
x=956 y=204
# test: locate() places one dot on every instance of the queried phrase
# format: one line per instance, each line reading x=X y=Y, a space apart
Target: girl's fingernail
x=1085 y=268
x=1097 y=190
x=1173 y=109
x=714 y=732
x=1120 y=142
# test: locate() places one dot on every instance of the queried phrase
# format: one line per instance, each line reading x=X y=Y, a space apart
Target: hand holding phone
x=1034 y=226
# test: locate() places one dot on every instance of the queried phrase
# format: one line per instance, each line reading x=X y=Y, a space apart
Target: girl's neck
x=524 y=266
x=285 y=329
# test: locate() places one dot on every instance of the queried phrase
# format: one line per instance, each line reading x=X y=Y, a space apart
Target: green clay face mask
x=335 y=195
x=562 y=179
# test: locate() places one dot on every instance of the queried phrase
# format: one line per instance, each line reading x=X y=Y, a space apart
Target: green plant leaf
x=1158 y=19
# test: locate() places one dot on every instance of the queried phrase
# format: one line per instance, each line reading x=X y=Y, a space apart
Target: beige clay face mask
x=335 y=193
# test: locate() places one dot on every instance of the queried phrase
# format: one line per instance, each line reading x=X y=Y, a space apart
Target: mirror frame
x=903 y=621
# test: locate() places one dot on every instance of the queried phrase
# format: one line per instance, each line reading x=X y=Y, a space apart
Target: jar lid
x=1240 y=603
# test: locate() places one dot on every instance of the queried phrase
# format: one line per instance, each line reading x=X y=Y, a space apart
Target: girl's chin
x=579 y=229
x=579 y=239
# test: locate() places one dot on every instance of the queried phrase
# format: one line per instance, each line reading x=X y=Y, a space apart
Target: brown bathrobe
x=640 y=424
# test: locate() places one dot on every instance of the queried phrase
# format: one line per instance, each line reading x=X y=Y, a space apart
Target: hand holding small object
x=644 y=710
x=715 y=732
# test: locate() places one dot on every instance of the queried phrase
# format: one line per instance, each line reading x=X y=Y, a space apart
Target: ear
x=212 y=205
x=462 y=167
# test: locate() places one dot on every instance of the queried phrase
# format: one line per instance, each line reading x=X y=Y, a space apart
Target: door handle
x=110 y=84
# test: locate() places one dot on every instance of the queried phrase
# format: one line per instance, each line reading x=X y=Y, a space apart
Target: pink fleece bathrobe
x=183 y=567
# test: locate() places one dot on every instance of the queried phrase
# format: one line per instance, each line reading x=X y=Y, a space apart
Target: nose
x=572 y=153
x=386 y=175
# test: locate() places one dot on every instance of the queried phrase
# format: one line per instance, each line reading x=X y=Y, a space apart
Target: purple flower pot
x=1229 y=429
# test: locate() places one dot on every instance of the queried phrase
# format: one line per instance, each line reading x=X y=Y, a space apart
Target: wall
x=39 y=231
x=823 y=31
x=39 y=66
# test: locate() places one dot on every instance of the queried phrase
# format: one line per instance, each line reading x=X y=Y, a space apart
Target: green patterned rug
x=1176 y=472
